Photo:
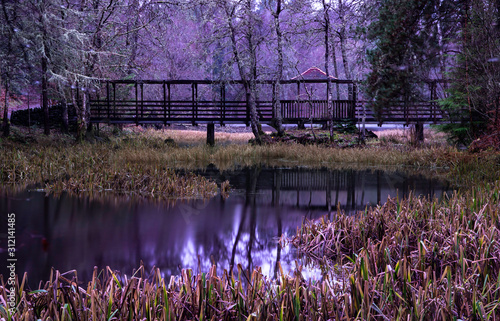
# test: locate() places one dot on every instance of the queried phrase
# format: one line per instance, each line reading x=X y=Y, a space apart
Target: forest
x=64 y=50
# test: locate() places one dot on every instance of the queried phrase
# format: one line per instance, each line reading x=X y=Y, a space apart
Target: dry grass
x=206 y=296
x=192 y=137
x=56 y=164
x=144 y=163
x=404 y=136
x=415 y=259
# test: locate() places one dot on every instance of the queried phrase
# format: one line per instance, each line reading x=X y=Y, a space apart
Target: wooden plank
x=142 y=100
x=136 y=105
x=164 y=88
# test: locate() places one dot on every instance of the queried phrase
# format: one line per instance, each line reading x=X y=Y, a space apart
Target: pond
x=69 y=232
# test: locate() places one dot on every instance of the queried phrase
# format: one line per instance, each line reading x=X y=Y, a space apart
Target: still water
x=69 y=232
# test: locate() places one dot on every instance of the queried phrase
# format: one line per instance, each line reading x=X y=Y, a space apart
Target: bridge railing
x=316 y=109
x=399 y=111
x=213 y=111
x=130 y=101
x=177 y=110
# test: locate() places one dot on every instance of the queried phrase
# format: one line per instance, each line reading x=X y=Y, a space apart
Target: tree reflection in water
x=68 y=232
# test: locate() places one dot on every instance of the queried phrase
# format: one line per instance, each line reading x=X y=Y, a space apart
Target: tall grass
x=144 y=163
x=63 y=166
x=206 y=296
x=416 y=258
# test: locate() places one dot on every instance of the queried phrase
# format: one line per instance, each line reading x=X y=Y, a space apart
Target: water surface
x=69 y=232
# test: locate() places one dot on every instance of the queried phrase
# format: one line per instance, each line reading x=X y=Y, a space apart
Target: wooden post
x=114 y=100
x=350 y=90
x=433 y=103
x=274 y=101
x=164 y=103
x=299 y=103
x=419 y=132
x=211 y=134
x=247 y=99
x=107 y=98
x=142 y=101
x=223 y=103
x=354 y=99
x=169 y=102
x=136 y=105
x=193 y=102
x=405 y=109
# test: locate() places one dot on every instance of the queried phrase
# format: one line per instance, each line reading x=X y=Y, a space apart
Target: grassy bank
x=412 y=259
x=142 y=161
x=57 y=164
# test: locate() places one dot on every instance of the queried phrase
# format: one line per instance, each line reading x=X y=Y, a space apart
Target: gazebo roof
x=313 y=73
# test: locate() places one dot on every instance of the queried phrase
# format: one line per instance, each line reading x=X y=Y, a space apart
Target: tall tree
x=79 y=43
x=474 y=93
x=401 y=55
x=241 y=22
x=14 y=57
x=327 y=27
x=344 y=17
x=278 y=119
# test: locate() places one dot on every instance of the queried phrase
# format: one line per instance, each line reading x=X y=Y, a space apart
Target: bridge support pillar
x=211 y=134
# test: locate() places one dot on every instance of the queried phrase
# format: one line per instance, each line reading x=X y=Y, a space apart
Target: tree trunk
x=335 y=72
x=278 y=121
x=133 y=43
x=252 y=105
x=252 y=48
x=65 y=120
x=45 y=97
x=6 y=122
x=248 y=73
x=86 y=108
x=278 y=118
x=342 y=37
x=81 y=122
x=326 y=22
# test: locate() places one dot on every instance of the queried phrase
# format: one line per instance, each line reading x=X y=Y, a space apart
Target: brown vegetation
x=416 y=258
x=129 y=161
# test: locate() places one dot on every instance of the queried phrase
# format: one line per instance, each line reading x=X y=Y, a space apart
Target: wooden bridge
x=206 y=101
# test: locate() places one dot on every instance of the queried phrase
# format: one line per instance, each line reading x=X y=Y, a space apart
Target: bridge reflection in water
x=79 y=232
x=323 y=189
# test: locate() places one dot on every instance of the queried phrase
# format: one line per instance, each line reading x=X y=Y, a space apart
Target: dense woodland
x=65 y=47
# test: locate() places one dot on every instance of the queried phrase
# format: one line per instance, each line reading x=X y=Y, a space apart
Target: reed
x=415 y=258
x=206 y=296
